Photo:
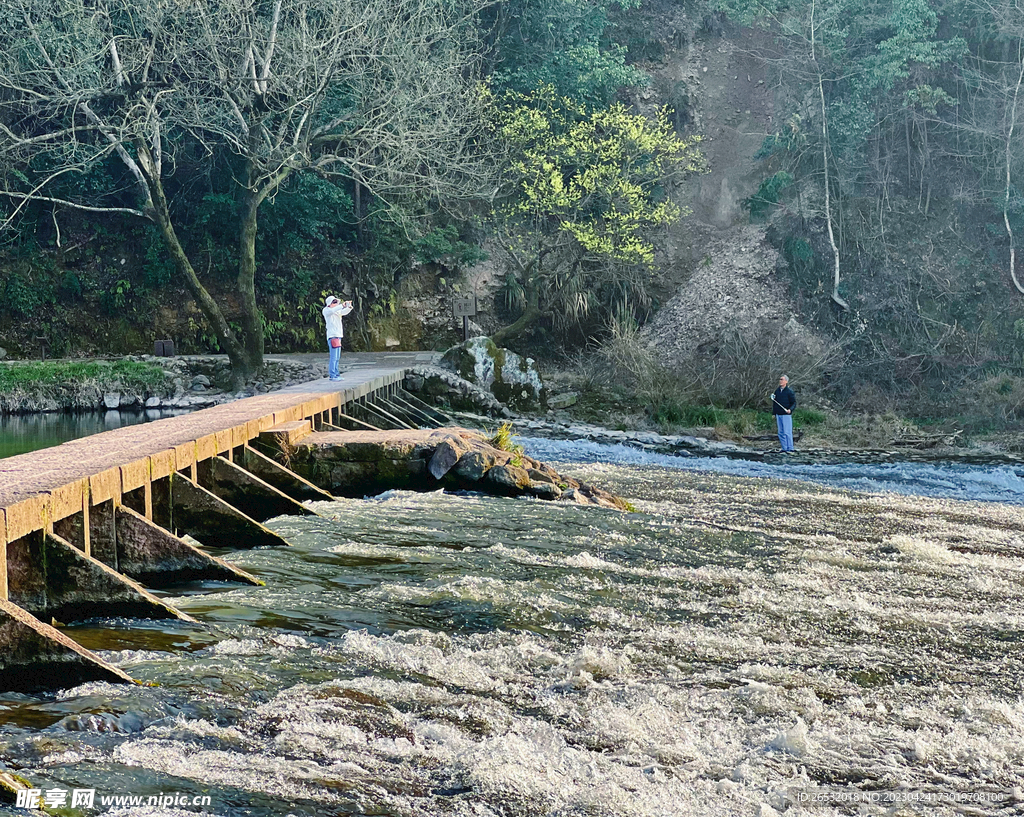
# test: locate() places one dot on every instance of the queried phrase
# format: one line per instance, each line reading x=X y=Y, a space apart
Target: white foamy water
x=997 y=483
x=736 y=647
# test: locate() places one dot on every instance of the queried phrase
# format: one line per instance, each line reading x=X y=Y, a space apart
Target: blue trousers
x=785 y=425
x=333 y=371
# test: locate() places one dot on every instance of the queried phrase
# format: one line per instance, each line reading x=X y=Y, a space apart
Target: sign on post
x=464 y=306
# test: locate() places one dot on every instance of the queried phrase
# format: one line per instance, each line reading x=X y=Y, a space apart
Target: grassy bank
x=55 y=385
x=127 y=374
x=611 y=400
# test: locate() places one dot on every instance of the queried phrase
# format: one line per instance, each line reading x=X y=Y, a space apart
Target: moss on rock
x=513 y=380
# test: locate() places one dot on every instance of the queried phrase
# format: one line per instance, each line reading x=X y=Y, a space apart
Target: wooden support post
x=151 y=555
x=282 y=478
x=102 y=535
x=37 y=656
x=212 y=521
x=247 y=492
x=3 y=554
x=356 y=421
x=54 y=579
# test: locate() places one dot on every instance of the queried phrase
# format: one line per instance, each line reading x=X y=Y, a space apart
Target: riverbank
x=137 y=382
x=582 y=404
x=589 y=398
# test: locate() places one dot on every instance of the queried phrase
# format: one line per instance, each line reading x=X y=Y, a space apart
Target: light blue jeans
x=333 y=371
x=785 y=425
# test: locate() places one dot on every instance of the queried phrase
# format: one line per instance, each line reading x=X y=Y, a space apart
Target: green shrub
x=672 y=412
x=808 y=417
x=20 y=297
x=502 y=439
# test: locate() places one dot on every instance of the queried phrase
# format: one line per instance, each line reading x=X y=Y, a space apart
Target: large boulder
x=512 y=379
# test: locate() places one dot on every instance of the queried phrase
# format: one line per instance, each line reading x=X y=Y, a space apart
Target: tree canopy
x=382 y=93
x=585 y=190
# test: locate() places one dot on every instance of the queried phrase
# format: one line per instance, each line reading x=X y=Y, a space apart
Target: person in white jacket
x=333 y=311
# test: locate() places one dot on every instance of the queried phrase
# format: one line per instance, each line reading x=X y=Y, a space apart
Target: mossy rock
x=513 y=380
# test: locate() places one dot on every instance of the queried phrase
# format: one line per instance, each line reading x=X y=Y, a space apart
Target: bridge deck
x=102 y=465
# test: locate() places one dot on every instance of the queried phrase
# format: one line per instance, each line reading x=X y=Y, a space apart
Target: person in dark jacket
x=783 y=403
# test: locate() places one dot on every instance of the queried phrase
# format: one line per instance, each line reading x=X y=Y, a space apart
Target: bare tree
x=1011 y=121
x=381 y=92
x=836 y=297
x=991 y=102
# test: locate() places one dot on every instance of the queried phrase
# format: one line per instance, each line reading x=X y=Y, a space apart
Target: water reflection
x=21 y=433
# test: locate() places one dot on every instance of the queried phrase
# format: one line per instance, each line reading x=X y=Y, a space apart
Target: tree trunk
x=1006 y=200
x=836 y=297
x=207 y=305
x=530 y=316
x=252 y=320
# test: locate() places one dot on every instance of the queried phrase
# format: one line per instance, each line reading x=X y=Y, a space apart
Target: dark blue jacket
x=784 y=396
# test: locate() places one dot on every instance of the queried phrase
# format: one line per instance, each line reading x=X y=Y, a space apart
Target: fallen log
x=928 y=440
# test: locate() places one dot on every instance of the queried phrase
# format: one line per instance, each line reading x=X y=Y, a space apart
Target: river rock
x=3 y=353
x=510 y=479
x=545 y=490
x=548 y=475
x=445 y=456
x=513 y=380
x=474 y=464
x=152 y=402
x=564 y=400
x=361 y=463
x=112 y=399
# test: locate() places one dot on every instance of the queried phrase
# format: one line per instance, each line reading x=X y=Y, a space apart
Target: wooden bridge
x=87 y=526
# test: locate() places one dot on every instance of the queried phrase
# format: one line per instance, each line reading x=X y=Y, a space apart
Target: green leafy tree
x=561 y=44
x=866 y=66
x=585 y=191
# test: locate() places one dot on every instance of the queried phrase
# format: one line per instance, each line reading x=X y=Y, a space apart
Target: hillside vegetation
x=201 y=176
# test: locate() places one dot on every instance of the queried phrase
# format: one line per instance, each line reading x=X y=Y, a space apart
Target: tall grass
x=502 y=439
x=729 y=393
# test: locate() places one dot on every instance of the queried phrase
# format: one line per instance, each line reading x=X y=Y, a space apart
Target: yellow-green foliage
x=502 y=439
x=597 y=175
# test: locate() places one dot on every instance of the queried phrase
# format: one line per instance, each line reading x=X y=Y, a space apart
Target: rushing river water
x=739 y=646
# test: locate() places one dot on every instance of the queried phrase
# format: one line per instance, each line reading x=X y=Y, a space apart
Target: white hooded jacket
x=332 y=316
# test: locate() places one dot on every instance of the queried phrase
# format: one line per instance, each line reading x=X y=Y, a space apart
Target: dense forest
x=208 y=170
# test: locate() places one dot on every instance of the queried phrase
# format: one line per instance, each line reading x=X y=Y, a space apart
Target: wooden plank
x=184 y=456
x=161 y=464
x=206 y=447
x=134 y=474
x=239 y=435
x=287 y=415
x=68 y=499
x=105 y=485
x=223 y=441
x=289 y=433
x=27 y=516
